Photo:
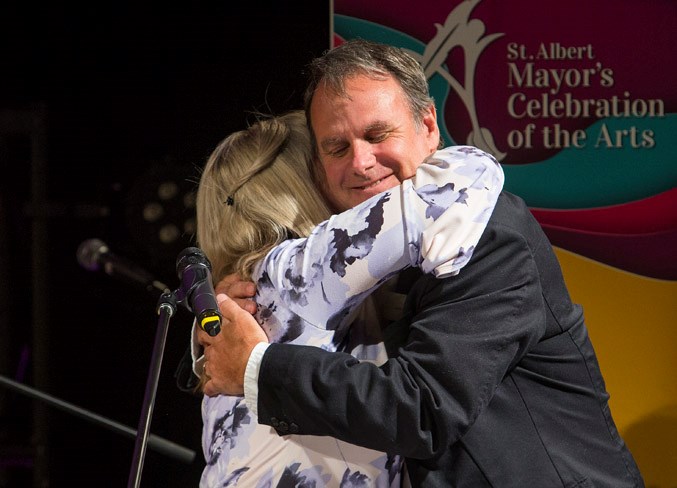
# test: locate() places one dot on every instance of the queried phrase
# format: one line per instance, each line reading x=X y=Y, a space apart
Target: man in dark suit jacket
x=492 y=379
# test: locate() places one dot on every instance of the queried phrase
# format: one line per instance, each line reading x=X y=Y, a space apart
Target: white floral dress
x=309 y=291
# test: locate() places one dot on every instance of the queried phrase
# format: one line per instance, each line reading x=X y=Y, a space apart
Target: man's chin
x=363 y=196
x=350 y=198
x=374 y=189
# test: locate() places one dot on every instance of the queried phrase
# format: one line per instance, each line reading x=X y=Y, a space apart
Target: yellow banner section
x=632 y=321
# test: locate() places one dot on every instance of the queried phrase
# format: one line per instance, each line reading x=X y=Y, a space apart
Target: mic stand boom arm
x=157 y=443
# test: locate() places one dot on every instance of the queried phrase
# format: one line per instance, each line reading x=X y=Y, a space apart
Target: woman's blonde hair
x=256 y=191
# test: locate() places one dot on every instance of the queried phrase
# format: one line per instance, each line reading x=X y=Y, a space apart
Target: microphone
x=94 y=254
x=197 y=291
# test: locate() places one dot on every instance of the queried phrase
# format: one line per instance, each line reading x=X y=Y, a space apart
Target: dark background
x=102 y=105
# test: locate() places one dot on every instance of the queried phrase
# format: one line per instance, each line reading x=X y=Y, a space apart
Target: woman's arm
x=432 y=221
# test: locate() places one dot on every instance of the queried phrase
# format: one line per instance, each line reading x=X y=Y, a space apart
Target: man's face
x=368 y=141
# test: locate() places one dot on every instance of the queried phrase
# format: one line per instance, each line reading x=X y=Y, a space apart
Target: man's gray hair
x=361 y=57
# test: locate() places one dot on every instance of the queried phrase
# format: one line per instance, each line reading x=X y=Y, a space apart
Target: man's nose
x=363 y=158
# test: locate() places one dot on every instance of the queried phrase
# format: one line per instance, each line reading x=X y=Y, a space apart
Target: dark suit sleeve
x=465 y=333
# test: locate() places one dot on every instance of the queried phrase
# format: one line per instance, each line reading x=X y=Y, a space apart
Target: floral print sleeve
x=308 y=291
x=432 y=221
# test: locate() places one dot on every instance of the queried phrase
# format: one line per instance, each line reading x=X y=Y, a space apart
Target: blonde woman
x=260 y=215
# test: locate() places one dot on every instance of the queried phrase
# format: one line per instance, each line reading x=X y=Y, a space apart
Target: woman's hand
x=241 y=292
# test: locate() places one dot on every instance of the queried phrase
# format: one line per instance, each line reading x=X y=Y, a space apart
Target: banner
x=578 y=101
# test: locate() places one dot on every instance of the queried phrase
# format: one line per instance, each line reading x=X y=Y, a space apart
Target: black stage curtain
x=107 y=112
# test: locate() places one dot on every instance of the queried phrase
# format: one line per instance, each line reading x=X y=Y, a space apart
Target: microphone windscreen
x=89 y=254
x=191 y=255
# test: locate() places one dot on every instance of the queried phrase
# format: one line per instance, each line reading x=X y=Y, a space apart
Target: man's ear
x=432 y=130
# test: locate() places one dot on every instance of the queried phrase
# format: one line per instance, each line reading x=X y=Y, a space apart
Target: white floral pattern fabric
x=309 y=292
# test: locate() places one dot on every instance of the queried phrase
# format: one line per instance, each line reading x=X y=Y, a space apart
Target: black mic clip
x=196 y=292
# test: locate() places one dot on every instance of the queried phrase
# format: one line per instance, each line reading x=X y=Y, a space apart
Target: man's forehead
x=358 y=88
x=367 y=105
x=375 y=125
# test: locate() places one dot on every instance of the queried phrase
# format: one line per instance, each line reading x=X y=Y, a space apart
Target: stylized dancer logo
x=468 y=34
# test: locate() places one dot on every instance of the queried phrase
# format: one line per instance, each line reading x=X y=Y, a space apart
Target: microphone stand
x=166 y=309
x=194 y=271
